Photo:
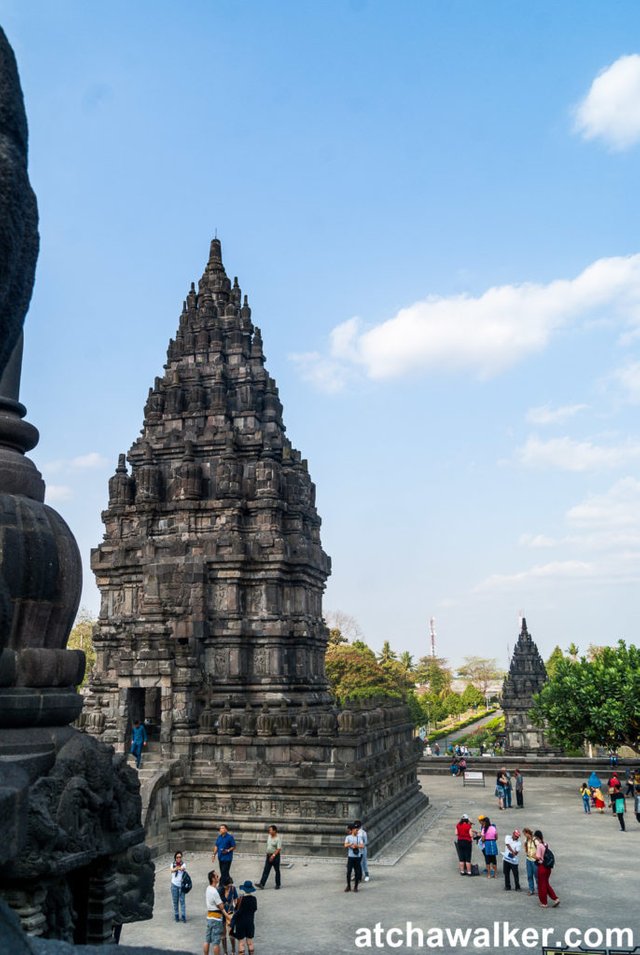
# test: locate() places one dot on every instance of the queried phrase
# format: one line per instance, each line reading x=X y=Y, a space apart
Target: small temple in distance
x=526 y=677
x=211 y=575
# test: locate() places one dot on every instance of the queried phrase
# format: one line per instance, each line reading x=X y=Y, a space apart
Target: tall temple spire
x=212 y=573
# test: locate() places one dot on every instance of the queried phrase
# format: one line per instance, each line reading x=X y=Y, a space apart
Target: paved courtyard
x=596 y=878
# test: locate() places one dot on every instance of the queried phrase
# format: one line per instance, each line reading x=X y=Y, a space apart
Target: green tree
x=597 y=701
x=81 y=638
x=435 y=673
x=481 y=671
x=453 y=704
x=552 y=663
x=386 y=655
x=353 y=672
x=471 y=696
x=573 y=650
x=406 y=661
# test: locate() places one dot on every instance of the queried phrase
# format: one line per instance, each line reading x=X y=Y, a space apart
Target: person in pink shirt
x=544 y=888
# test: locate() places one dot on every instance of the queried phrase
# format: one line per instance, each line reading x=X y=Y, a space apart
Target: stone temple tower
x=211 y=574
x=527 y=675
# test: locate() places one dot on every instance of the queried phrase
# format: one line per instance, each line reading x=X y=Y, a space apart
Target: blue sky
x=434 y=211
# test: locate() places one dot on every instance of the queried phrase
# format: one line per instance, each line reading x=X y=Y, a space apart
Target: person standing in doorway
x=274 y=850
x=354 y=849
x=138 y=741
x=364 y=838
x=223 y=849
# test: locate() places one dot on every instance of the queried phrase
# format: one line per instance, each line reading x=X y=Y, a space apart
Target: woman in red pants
x=544 y=889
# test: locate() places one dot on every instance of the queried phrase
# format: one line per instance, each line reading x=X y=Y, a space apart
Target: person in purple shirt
x=223 y=849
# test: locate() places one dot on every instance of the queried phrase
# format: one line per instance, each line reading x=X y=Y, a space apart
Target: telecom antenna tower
x=432 y=631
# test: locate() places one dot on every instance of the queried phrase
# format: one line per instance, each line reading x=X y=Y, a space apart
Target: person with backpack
x=545 y=860
x=178 y=872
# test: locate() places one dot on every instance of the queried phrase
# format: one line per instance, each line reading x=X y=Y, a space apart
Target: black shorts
x=464 y=850
x=491 y=860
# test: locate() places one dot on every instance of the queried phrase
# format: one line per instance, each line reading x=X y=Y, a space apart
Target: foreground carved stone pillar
x=69 y=807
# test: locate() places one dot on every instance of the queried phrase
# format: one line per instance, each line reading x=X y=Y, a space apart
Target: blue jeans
x=532 y=875
x=586 y=802
x=508 y=796
x=179 y=899
x=364 y=862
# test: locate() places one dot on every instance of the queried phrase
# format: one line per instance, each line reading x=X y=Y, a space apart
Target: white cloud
x=324 y=373
x=484 y=335
x=545 y=414
x=611 y=109
x=89 y=461
x=628 y=377
x=58 y=492
x=536 y=541
x=617 y=507
x=569 y=455
x=554 y=570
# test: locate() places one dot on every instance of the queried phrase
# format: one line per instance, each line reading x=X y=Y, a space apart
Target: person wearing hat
x=354 y=846
x=464 y=844
x=243 y=922
x=510 y=860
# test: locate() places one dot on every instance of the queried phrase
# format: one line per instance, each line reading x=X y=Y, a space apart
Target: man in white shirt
x=510 y=860
x=215 y=915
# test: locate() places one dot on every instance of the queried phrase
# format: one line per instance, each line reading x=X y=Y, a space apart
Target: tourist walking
x=354 y=849
x=272 y=861
x=464 y=844
x=364 y=838
x=490 y=837
x=510 y=860
x=177 y=893
x=138 y=741
x=530 y=853
x=215 y=915
x=229 y=895
x=619 y=806
x=519 y=787
x=598 y=799
x=223 y=849
x=585 y=792
x=546 y=862
x=243 y=924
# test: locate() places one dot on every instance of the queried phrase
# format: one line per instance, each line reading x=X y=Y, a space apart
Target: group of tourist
x=539 y=858
x=593 y=798
x=230 y=910
x=505 y=785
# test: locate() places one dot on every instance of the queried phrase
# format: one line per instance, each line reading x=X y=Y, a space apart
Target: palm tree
x=386 y=655
x=406 y=661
